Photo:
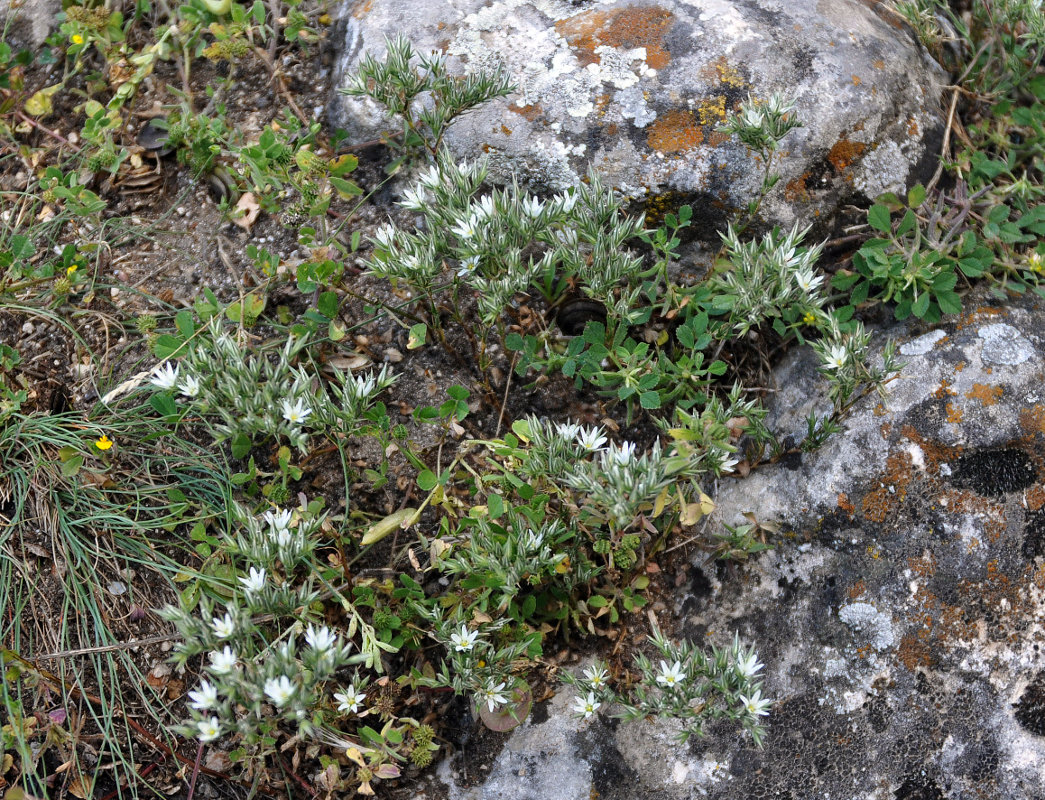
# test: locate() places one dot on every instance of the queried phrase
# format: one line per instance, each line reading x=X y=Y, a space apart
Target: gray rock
x=29 y=22
x=901 y=615
x=638 y=89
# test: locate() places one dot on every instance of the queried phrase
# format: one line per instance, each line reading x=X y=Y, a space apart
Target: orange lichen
x=845 y=153
x=1035 y=497
x=857 y=590
x=878 y=64
x=1032 y=419
x=988 y=395
x=944 y=390
x=912 y=127
x=628 y=27
x=954 y=413
x=914 y=653
x=856 y=80
x=798 y=189
x=674 y=132
x=506 y=130
x=361 y=10
x=880 y=504
x=846 y=504
x=531 y=111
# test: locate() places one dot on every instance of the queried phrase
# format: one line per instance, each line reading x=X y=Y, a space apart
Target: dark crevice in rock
x=1030 y=710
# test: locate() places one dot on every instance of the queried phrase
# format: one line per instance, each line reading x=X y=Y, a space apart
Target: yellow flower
x=809 y=318
x=1037 y=264
x=104 y=443
x=76 y=38
x=70 y=270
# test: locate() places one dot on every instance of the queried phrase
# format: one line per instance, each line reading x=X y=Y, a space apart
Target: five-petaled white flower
x=806 y=281
x=567 y=200
x=205 y=697
x=591 y=439
x=190 y=386
x=165 y=377
x=296 y=412
x=755 y=705
x=670 y=677
x=747 y=667
x=254 y=582
x=586 y=706
x=349 y=700
x=223 y=627
x=279 y=519
x=493 y=695
x=224 y=662
x=279 y=690
x=596 y=677
x=464 y=640
x=322 y=639
x=532 y=207
x=384 y=236
x=414 y=199
x=430 y=178
x=534 y=539
x=466 y=228
x=467 y=266
x=209 y=729
x=836 y=358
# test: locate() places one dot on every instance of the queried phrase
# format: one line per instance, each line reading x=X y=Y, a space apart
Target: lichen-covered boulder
x=638 y=90
x=900 y=614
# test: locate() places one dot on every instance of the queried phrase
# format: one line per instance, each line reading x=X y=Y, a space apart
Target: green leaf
x=496 y=506
x=327 y=304
x=950 y=302
x=906 y=224
x=241 y=445
x=916 y=196
x=879 y=219
x=597 y=601
x=417 y=335
x=921 y=305
x=427 y=480
x=184 y=323
x=166 y=345
x=649 y=400
x=163 y=404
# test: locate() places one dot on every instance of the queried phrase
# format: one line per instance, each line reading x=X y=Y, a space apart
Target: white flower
x=567 y=200
x=414 y=199
x=254 y=582
x=279 y=690
x=806 y=281
x=836 y=358
x=430 y=178
x=190 y=386
x=485 y=208
x=466 y=229
x=728 y=464
x=596 y=677
x=296 y=412
x=322 y=640
x=586 y=706
x=591 y=439
x=568 y=430
x=532 y=207
x=670 y=677
x=284 y=538
x=205 y=697
x=493 y=695
x=384 y=236
x=165 y=377
x=747 y=667
x=468 y=266
x=622 y=454
x=349 y=700
x=224 y=662
x=279 y=519
x=755 y=705
x=209 y=729
x=465 y=640
x=223 y=627
x=534 y=540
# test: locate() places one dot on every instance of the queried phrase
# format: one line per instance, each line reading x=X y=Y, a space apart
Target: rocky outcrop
x=638 y=90
x=900 y=614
